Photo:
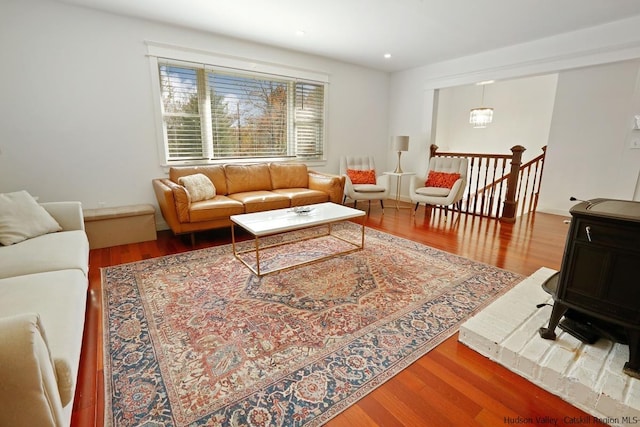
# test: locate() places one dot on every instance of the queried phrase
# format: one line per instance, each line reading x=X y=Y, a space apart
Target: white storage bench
x=120 y=225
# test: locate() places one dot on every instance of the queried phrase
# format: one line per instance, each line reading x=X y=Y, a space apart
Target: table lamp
x=400 y=144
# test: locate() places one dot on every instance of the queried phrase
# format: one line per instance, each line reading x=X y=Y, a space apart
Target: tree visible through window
x=209 y=114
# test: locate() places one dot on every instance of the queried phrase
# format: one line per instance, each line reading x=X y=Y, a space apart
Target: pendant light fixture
x=480 y=117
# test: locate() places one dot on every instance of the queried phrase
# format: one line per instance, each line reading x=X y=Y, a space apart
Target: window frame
x=180 y=56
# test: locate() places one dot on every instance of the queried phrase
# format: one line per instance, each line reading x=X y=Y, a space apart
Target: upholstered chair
x=362 y=180
x=443 y=184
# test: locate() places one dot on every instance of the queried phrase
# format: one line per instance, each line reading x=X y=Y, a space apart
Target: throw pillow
x=21 y=218
x=199 y=186
x=362 y=176
x=441 y=179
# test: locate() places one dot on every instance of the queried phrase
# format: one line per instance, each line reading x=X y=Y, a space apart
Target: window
x=219 y=113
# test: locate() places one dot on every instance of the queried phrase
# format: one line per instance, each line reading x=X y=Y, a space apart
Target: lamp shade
x=400 y=143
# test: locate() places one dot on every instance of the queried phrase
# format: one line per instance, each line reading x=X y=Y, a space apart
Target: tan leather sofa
x=242 y=188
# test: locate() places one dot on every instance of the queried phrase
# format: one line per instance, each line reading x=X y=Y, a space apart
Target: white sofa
x=43 y=294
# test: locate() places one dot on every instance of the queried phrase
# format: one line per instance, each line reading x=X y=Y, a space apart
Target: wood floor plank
x=451 y=385
x=499 y=384
x=356 y=418
x=403 y=407
x=476 y=386
x=452 y=398
x=488 y=418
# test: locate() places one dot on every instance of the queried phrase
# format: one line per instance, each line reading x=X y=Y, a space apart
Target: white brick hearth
x=588 y=376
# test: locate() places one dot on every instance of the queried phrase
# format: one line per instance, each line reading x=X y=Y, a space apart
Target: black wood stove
x=598 y=287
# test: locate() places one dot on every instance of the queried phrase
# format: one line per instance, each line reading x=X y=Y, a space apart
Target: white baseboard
x=560 y=212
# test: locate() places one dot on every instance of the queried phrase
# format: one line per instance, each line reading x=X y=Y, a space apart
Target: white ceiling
x=414 y=32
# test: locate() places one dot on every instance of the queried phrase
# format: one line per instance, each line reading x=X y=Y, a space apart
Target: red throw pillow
x=441 y=179
x=362 y=176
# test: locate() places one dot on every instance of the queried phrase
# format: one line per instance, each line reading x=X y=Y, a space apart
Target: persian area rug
x=195 y=339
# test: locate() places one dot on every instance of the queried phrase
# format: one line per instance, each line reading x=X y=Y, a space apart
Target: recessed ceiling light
x=387 y=55
x=300 y=33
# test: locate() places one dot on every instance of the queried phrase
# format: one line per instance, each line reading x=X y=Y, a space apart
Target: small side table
x=399 y=176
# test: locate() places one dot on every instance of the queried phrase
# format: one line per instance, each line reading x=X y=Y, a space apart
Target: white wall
x=411 y=113
x=589 y=152
x=413 y=93
x=76 y=114
x=522 y=116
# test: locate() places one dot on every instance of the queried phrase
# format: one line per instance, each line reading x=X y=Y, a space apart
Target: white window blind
x=220 y=114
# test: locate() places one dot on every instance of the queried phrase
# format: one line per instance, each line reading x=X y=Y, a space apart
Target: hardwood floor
x=451 y=385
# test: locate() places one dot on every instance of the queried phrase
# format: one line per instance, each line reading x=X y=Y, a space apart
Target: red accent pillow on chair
x=441 y=179
x=362 y=176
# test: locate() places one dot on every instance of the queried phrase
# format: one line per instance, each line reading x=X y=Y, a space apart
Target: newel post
x=510 y=204
x=432 y=150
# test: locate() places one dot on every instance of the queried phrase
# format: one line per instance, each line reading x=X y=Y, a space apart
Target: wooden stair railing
x=499 y=184
x=529 y=184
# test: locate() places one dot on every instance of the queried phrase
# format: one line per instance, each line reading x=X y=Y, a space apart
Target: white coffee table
x=268 y=223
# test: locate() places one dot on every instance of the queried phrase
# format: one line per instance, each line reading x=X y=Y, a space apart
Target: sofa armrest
x=67 y=214
x=29 y=393
x=331 y=184
x=173 y=200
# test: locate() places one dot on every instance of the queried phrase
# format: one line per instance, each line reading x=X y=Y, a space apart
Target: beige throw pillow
x=199 y=186
x=22 y=218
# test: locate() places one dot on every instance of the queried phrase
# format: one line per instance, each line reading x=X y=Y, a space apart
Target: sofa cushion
x=289 y=175
x=244 y=178
x=368 y=188
x=28 y=393
x=433 y=191
x=214 y=172
x=219 y=207
x=22 y=218
x=57 y=251
x=257 y=201
x=303 y=196
x=199 y=187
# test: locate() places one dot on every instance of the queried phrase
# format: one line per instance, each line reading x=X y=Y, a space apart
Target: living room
x=78 y=120
x=89 y=111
